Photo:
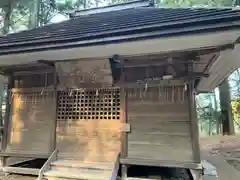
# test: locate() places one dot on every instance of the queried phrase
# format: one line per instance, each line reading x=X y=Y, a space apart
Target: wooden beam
x=150 y=83
x=47 y=63
x=8 y=154
x=183 y=54
x=160 y=163
x=21 y=170
x=27 y=90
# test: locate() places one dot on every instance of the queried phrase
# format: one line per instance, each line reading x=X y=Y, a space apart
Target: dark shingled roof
x=134 y=24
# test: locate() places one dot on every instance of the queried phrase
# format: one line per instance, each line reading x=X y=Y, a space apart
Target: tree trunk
x=7 y=17
x=215 y=114
x=226 y=108
x=34 y=14
x=85 y=4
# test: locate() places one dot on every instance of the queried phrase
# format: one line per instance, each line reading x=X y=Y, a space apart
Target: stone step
x=53 y=174
x=80 y=164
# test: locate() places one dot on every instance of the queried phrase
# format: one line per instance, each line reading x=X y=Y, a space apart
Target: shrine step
x=54 y=174
x=79 y=164
x=63 y=169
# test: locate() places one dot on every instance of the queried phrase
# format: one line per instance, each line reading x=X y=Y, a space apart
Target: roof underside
x=114 y=25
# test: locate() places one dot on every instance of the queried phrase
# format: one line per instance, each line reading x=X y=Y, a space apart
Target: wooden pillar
x=6 y=119
x=55 y=92
x=125 y=132
x=194 y=123
x=7 y=113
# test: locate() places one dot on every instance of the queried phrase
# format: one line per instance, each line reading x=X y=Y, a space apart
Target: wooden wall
x=31 y=126
x=160 y=126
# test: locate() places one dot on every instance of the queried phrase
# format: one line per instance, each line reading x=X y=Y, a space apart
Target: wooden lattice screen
x=89 y=104
x=89 y=124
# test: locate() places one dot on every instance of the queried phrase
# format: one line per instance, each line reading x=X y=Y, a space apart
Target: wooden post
x=124 y=121
x=6 y=120
x=124 y=93
x=7 y=113
x=193 y=123
x=54 y=136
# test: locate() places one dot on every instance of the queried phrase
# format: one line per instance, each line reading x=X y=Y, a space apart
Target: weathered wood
x=21 y=170
x=150 y=82
x=54 y=136
x=93 y=174
x=125 y=121
x=24 y=155
x=31 y=72
x=172 y=140
x=91 y=129
x=7 y=115
x=115 y=169
x=160 y=163
x=164 y=108
x=32 y=90
x=164 y=128
x=47 y=164
x=194 y=123
x=83 y=73
x=160 y=152
x=158 y=126
x=66 y=163
x=32 y=119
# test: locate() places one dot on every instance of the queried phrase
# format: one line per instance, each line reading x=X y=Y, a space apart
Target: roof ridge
x=114 y=7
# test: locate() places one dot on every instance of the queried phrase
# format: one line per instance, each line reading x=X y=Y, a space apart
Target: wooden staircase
x=65 y=169
x=68 y=169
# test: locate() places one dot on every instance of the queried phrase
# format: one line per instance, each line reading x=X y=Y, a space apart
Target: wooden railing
x=116 y=168
x=47 y=164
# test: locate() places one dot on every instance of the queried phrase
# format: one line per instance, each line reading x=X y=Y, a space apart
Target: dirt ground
x=224 y=153
x=17 y=177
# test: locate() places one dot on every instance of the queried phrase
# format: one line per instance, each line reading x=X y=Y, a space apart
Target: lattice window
x=101 y=104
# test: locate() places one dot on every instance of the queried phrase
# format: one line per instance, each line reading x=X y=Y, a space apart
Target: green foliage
x=17 y=14
x=236 y=110
x=208 y=113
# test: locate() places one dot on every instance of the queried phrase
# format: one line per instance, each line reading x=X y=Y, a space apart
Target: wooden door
x=89 y=124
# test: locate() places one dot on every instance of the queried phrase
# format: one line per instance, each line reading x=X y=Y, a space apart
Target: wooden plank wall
x=31 y=126
x=160 y=127
x=89 y=124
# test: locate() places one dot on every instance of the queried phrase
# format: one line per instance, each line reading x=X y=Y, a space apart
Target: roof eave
x=35 y=47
